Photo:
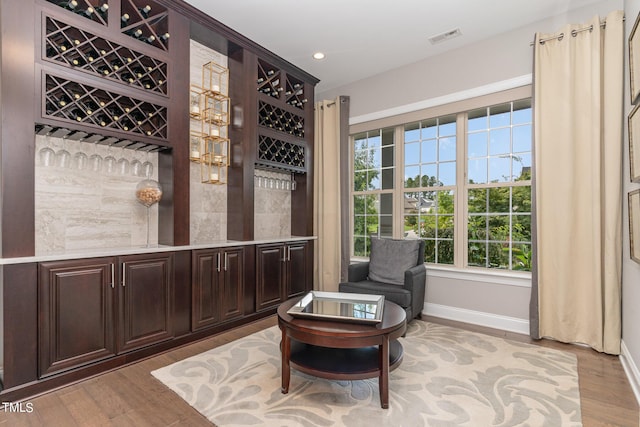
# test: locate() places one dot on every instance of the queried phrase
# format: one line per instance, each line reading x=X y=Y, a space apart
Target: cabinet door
x=205 y=288
x=298 y=270
x=75 y=313
x=232 y=295
x=269 y=276
x=146 y=311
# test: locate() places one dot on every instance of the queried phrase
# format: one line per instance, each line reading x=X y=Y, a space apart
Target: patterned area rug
x=449 y=377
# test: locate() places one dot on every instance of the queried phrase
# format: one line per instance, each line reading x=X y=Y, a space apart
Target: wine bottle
x=128 y=77
x=77 y=114
x=144 y=11
x=116 y=64
x=150 y=39
x=62 y=101
x=138 y=117
x=87 y=13
x=136 y=33
x=147 y=83
x=139 y=72
x=69 y=5
x=102 y=10
x=270 y=73
x=115 y=113
x=165 y=37
x=102 y=120
x=91 y=55
x=103 y=69
x=124 y=19
x=78 y=61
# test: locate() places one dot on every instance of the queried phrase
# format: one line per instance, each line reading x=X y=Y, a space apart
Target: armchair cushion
x=391 y=258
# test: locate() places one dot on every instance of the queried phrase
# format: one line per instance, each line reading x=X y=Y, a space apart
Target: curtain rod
x=573 y=33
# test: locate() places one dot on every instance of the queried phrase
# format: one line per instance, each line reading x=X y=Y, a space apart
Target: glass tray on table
x=340 y=306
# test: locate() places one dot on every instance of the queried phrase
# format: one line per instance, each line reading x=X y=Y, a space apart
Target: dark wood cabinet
x=282 y=271
x=79 y=301
x=217 y=286
x=299 y=269
x=145 y=313
x=76 y=313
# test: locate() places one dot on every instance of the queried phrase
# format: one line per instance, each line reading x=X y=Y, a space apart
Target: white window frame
x=460 y=269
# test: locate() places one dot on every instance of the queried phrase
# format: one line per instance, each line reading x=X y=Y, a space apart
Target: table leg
x=383 y=381
x=286 y=355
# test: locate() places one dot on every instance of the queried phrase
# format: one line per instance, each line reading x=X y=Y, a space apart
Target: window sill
x=511 y=278
x=500 y=277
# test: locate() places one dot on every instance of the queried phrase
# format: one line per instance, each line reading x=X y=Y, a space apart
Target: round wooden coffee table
x=340 y=350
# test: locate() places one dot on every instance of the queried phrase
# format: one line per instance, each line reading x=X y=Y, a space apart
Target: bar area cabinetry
x=116 y=73
x=80 y=300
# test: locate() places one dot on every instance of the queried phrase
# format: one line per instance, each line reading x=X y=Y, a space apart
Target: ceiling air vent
x=447 y=35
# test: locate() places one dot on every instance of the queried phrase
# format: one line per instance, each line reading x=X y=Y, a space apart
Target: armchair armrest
x=415 y=281
x=358 y=272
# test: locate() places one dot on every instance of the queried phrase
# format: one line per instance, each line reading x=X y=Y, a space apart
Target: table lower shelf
x=342 y=363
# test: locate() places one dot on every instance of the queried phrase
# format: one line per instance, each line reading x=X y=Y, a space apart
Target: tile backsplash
x=81 y=207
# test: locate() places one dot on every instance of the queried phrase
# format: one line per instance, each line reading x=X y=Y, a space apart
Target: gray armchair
x=396 y=270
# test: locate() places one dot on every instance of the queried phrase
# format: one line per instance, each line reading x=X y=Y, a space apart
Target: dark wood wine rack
x=81 y=50
x=269 y=81
x=281 y=120
x=74 y=102
x=94 y=10
x=294 y=95
x=276 y=154
x=147 y=25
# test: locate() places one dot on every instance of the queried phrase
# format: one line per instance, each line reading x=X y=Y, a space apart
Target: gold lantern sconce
x=208 y=138
x=215 y=160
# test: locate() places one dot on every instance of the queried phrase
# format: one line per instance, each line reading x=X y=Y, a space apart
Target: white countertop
x=106 y=252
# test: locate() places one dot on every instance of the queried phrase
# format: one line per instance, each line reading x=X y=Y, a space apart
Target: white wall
x=630 y=269
x=500 y=301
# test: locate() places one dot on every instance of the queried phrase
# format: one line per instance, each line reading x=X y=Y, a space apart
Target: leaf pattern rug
x=448 y=377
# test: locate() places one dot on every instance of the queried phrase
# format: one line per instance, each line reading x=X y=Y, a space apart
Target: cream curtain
x=578 y=100
x=329 y=132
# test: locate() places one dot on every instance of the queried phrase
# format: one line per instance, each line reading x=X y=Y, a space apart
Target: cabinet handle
x=288 y=253
x=218 y=263
x=123 y=275
x=113 y=275
x=284 y=254
x=226 y=261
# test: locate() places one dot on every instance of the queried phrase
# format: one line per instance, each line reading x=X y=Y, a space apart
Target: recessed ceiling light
x=318 y=56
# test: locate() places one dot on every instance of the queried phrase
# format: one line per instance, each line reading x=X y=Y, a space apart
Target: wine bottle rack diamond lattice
x=82 y=50
x=281 y=154
x=78 y=103
x=280 y=120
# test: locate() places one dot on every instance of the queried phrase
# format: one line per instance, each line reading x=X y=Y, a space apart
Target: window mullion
x=461 y=210
x=398 y=184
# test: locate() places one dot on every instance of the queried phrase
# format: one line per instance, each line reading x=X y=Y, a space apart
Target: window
x=429 y=186
x=499 y=186
x=373 y=175
x=463 y=186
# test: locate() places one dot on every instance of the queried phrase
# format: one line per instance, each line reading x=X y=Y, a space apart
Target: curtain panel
x=578 y=128
x=330 y=204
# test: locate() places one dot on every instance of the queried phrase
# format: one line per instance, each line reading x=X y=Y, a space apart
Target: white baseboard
x=489 y=320
x=631 y=369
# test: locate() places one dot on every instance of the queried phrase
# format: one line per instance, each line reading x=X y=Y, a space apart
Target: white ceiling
x=362 y=38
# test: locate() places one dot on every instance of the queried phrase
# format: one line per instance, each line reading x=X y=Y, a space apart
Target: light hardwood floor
x=130 y=396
